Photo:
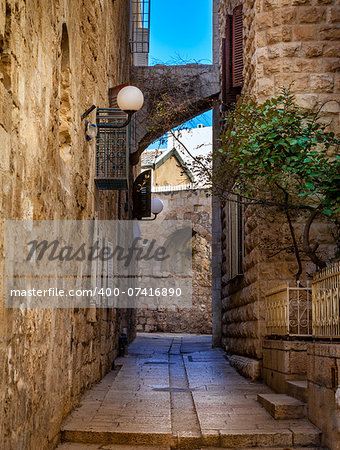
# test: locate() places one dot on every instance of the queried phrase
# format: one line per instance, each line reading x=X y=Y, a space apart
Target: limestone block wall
x=289 y=41
x=323 y=390
x=284 y=41
x=193 y=205
x=56 y=60
x=284 y=361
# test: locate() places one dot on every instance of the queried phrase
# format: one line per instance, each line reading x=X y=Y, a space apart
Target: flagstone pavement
x=176 y=391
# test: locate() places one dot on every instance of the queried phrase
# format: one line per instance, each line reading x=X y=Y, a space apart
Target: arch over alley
x=185 y=91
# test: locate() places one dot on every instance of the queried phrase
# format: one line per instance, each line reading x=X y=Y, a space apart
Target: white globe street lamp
x=130 y=99
x=156 y=206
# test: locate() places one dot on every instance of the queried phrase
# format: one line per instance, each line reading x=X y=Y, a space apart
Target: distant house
x=168 y=168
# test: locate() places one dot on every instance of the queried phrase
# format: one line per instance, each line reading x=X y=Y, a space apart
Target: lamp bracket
x=88 y=111
x=149 y=220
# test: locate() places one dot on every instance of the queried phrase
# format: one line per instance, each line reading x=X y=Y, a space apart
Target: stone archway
x=189 y=89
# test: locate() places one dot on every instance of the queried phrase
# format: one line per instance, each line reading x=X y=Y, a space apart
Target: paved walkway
x=175 y=391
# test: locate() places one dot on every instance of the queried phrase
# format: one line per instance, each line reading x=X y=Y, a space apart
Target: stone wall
x=284 y=41
x=57 y=59
x=323 y=390
x=289 y=41
x=194 y=205
x=283 y=361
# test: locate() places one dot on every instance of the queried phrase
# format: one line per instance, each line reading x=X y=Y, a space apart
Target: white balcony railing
x=179 y=187
x=326 y=302
x=289 y=311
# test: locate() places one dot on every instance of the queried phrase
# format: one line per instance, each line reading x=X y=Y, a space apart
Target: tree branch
x=311 y=252
x=292 y=233
x=205 y=170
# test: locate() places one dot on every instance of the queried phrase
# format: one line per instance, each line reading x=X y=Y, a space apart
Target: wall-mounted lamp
x=130 y=99
x=143 y=204
x=112 y=138
x=156 y=208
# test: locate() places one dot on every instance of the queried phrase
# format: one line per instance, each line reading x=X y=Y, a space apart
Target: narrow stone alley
x=175 y=391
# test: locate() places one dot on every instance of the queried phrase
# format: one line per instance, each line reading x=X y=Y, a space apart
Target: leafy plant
x=277 y=154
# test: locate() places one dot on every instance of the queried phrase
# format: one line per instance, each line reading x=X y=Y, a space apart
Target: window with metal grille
x=232 y=56
x=140 y=31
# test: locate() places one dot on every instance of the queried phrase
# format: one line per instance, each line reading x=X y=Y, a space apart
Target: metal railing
x=326 y=302
x=179 y=187
x=289 y=311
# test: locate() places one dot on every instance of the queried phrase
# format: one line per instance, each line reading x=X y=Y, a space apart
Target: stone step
x=281 y=406
x=267 y=448
x=75 y=446
x=106 y=437
x=305 y=434
x=298 y=389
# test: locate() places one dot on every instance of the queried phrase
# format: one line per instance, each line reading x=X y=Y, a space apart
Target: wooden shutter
x=234 y=231
x=226 y=60
x=237 y=52
x=142 y=195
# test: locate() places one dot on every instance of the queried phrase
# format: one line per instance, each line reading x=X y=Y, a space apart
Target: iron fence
x=179 y=187
x=326 y=302
x=289 y=311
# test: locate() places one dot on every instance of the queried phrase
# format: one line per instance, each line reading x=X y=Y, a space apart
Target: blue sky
x=181 y=28
x=181 y=32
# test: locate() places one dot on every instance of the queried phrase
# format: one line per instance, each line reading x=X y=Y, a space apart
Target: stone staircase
x=290 y=406
x=298 y=389
x=281 y=406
